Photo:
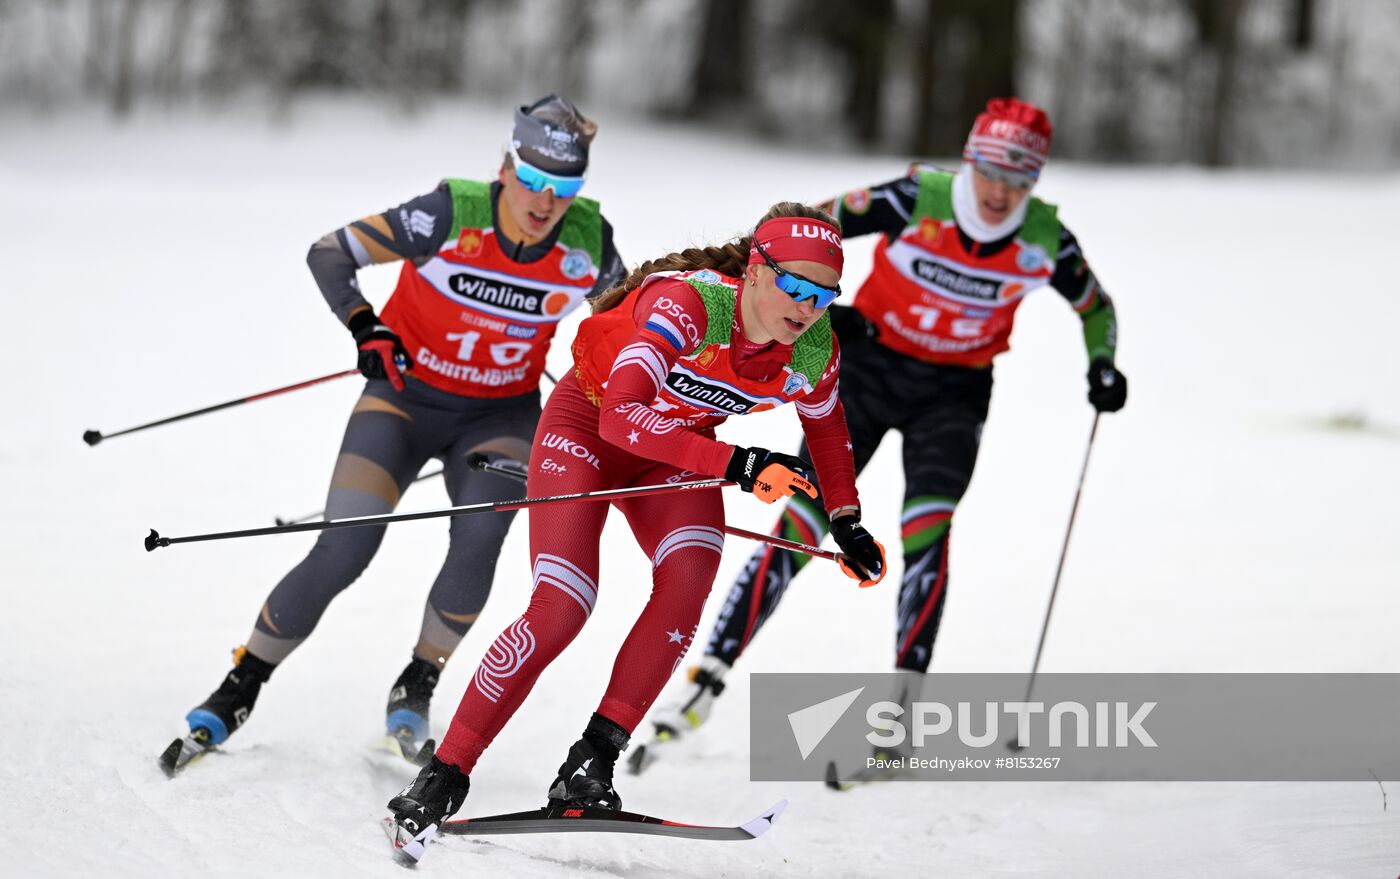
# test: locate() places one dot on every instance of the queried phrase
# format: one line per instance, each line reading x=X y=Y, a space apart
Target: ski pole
x=309 y=516
x=1059 y=568
x=154 y=539
x=476 y=461
x=93 y=437
x=480 y=462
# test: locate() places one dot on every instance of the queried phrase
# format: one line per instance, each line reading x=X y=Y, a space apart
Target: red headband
x=786 y=239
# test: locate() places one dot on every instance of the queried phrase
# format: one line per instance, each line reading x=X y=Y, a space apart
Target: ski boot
x=421 y=808
x=685 y=715
x=219 y=716
x=406 y=715
x=585 y=778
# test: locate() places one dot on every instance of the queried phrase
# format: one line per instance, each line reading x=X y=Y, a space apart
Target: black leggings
x=391 y=435
x=940 y=411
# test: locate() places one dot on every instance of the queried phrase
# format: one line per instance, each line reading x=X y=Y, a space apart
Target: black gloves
x=863 y=555
x=1108 y=388
x=769 y=476
x=382 y=354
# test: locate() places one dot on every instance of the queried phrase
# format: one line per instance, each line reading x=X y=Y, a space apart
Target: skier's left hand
x=769 y=476
x=863 y=557
x=1108 y=388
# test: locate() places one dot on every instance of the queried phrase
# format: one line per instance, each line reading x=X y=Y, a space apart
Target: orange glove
x=862 y=556
x=769 y=476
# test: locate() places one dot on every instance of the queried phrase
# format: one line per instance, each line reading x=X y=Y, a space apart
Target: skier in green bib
x=453 y=363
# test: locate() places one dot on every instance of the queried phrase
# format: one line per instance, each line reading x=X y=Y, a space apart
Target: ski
x=641 y=757
x=564 y=819
x=869 y=775
x=401 y=744
x=408 y=849
x=644 y=755
x=182 y=752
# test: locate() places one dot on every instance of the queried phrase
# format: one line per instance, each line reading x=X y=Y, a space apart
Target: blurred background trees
x=1214 y=82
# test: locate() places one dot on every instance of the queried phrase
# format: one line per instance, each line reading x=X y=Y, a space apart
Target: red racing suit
x=653 y=377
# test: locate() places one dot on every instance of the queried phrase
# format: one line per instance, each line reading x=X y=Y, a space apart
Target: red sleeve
x=829 y=442
x=671 y=321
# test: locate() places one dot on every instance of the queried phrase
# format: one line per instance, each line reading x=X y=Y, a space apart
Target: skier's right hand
x=382 y=354
x=769 y=476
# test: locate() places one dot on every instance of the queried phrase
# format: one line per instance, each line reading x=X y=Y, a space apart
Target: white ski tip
x=406 y=844
x=760 y=825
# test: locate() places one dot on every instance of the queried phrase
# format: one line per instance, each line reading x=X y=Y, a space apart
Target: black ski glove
x=769 y=476
x=863 y=557
x=1108 y=388
x=382 y=354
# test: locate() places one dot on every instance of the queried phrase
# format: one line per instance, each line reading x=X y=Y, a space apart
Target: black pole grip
x=154 y=540
x=92 y=437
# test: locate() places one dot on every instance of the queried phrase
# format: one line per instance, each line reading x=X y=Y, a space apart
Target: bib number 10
x=503 y=353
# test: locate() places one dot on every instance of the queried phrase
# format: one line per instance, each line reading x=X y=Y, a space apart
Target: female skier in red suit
x=683 y=343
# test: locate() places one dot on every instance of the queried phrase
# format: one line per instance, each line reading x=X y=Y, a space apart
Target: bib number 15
x=958 y=327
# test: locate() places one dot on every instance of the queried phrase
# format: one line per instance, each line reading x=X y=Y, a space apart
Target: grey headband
x=553 y=135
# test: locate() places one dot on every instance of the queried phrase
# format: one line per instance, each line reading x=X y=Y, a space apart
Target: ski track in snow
x=158 y=267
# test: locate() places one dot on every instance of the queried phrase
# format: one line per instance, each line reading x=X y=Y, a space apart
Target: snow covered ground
x=159 y=267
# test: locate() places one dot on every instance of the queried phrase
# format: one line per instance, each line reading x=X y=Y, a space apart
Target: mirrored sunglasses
x=798 y=287
x=538 y=180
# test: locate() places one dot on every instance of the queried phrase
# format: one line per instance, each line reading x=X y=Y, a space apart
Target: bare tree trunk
x=172 y=65
x=124 y=73
x=1304 y=24
x=385 y=42
x=991 y=70
x=1069 y=74
x=966 y=54
x=575 y=41
x=95 y=61
x=867 y=51
x=721 y=75
x=1225 y=15
x=925 y=80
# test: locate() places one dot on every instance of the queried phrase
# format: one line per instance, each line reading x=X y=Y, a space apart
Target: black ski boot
x=406 y=715
x=585 y=779
x=419 y=809
x=228 y=707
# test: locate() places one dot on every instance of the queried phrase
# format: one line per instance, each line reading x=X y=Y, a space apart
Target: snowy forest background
x=1272 y=83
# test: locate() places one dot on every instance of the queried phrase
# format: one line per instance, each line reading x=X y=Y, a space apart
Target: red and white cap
x=1012 y=134
x=798 y=238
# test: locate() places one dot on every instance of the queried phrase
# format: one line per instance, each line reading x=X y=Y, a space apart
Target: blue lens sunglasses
x=537 y=180
x=798 y=287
